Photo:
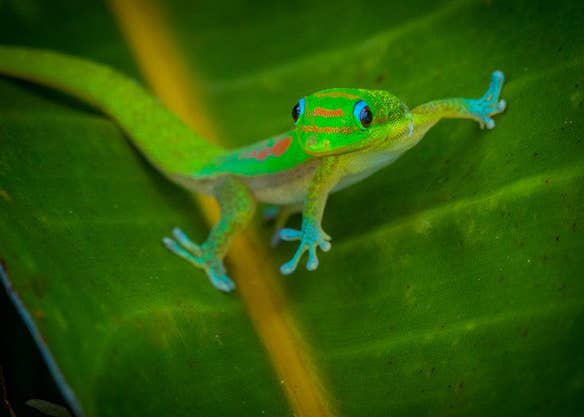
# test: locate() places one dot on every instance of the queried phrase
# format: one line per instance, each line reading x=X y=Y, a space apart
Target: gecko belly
x=286 y=187
x=290 y=186
x=374 y=161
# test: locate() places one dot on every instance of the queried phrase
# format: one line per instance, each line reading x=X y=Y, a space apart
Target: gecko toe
x=312 y=262
x=288 y=267
x=223 y=283
x=290 y=234
x=324 y=245
x=182 y=238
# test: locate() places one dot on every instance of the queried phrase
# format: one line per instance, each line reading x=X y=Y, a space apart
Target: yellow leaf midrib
x=160 y=61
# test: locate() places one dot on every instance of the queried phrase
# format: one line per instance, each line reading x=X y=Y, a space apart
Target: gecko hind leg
x=489 y=104
x=237 y=206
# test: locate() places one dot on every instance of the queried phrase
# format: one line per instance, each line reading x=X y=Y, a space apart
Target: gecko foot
x=489 y=104
x=182 y=246
x=311 y=236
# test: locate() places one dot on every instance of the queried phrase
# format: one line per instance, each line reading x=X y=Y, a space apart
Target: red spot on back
x=282 y=146
x=277 y=149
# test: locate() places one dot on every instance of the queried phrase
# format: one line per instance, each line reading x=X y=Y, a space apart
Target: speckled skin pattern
x=340 y=136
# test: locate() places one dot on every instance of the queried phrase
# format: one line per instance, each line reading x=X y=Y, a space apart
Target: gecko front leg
x=237 y=207
x=481 y=109
x=311 y=234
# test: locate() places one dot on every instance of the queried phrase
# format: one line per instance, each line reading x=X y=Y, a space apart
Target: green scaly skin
x=331 y=147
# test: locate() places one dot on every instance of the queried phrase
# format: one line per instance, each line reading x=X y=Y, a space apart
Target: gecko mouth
x=320 y=146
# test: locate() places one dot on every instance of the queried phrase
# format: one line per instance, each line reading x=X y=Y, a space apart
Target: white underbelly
x=287 y=187
x=374 y=161
x=291 y=186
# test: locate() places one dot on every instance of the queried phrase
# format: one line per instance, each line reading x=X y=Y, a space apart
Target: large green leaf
x=455 y=289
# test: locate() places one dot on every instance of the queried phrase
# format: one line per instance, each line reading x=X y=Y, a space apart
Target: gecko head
x=343 y=120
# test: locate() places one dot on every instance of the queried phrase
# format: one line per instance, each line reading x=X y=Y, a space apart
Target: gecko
x=337 y=137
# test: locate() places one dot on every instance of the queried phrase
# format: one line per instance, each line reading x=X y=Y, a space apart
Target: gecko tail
x=174 y=149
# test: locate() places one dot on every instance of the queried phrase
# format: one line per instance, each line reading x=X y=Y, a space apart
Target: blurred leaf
x=48 y=408
x=455 y=288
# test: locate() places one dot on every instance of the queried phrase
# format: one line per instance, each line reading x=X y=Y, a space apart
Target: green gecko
x=340 y=136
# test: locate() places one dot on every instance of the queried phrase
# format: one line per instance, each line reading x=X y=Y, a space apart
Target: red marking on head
x=277 y=149
x=319 y=111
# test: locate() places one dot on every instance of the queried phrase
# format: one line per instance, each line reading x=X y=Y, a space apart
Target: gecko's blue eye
x=363 y=114
x=298 y=110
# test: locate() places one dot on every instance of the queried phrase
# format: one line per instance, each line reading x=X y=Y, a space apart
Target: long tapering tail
x=157 y=132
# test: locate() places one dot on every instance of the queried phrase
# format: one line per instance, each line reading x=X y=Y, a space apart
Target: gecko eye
x=363 y=114
x=298 y=110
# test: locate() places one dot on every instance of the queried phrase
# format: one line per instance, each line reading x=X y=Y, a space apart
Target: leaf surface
x=454 y=286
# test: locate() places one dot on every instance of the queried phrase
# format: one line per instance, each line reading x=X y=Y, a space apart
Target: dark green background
x=455 y=288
